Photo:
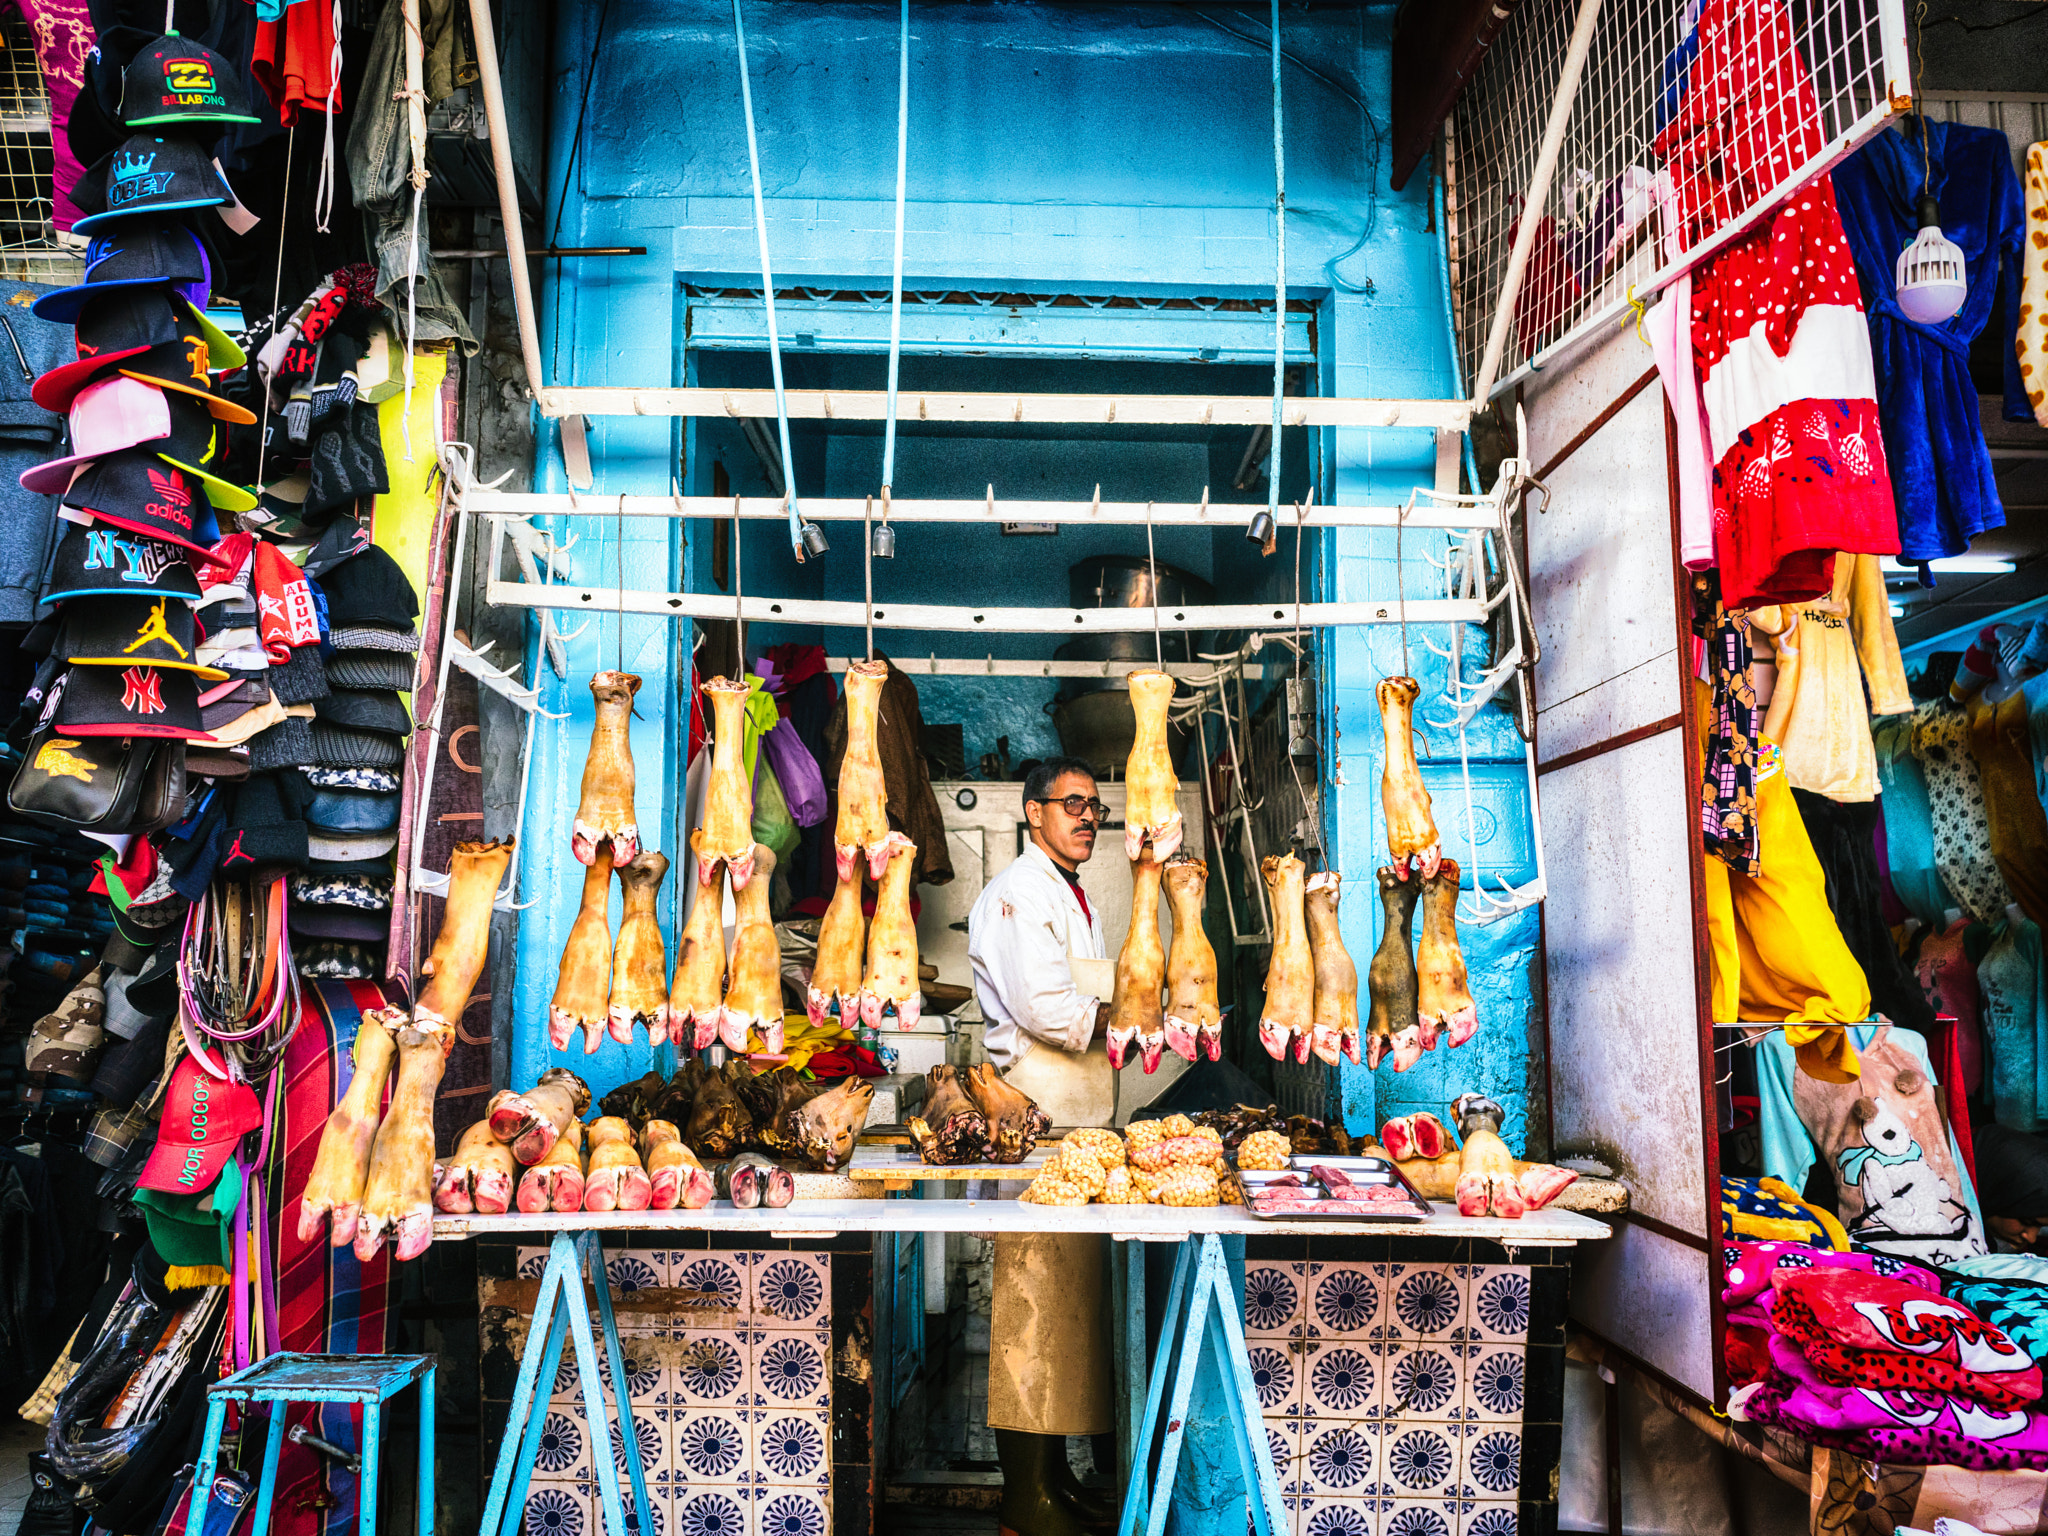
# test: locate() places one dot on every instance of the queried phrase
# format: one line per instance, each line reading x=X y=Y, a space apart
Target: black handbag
x=91 y=783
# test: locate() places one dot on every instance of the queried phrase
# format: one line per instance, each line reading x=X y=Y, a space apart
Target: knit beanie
x=267 y=829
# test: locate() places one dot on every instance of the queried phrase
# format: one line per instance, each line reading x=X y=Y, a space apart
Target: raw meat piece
x=729 y=797
x=863 y=824
x=952 y=1128
x=677 y=1178
x=605 y=813
x=478 y=1177
x=1390 y=980
x=826 y=1125
x=1194 y=1018
x=1334 y=1024
x=334 y=1189
x=398 y=1195
x=613 y=1179
x=1015 y=1122
x=460 y=948
x=699 y=987
x=639 y=962
x=753 y=993
x=842 y=941
x=1150 y=809
x=1411 y=831
x=1419 y=1135
x=531 y=1121
x=555 y=1183
x=891 y=978
x=583 y=981
x=1487 y=1182
x=1134 y=1009
x=769 y=1099
x=1290 y=974
x=1443 y=996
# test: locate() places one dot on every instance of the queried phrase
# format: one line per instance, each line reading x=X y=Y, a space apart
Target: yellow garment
x=2032 y=341
x=1777 y=952
x=2012 y=809
x=1824 y=651
x=402 y=524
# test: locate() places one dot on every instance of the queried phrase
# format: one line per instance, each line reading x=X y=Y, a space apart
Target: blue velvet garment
x=1941 y=473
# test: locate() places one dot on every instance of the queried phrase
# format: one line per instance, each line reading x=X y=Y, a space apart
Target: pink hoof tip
x=636 y=1190
x=707 y=872
x=568 y=1197
x=1274 y=1038
x=311 y=1220
x=818 y=1008
x=369 y=1240
x=536 y=1192
x=1324 y=1043
x=625 y=846
x=1460 y=1027
x=665 y=1189
x=1150 y=1048
x=1212 y=1044
x=493 y=1194
x=618 y=1024
x=1166 y=841
x=535 y=1143
x=415 y=1233
x=909 y=1011
x=779 y=1188
x=843 y=860
x=1134 y=842
x=703 y=1031
x=583 y=846
x=878 y=860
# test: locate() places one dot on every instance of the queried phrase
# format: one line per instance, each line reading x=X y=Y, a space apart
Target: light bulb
x=1929 y=274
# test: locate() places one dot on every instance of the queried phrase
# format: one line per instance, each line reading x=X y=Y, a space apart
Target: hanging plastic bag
x=80 y=1449
x=773 y=825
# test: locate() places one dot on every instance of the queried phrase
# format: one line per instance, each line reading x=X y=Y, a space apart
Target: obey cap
x=98 y=559
x=149 y=175
x=130 y=701
x=125 y=323
x=178 y=80
x=204 y=1117
x=122 y=631
x=106 y=417
x=145 y=494
x=164 y=256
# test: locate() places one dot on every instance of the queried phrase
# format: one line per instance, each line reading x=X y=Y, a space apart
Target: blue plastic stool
x=282 y=1379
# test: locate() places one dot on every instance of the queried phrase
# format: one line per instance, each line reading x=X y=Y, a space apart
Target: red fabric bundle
x=1864 y=1330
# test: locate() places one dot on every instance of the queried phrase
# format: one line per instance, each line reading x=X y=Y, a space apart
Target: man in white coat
x=1048 y=1373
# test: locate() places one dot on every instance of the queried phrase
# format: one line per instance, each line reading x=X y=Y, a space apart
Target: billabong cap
x=145 y=494
x=126 y=323
x=100 y=560
x=124 y=631
x=203 y=1119
x=106 y=417
x=130 y=701
x=149 y=175
x=182 y=365
x=178 y=80
x=166 y=255
x=194 y=443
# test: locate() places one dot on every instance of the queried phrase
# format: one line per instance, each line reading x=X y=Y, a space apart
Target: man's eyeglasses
x=1077 y=806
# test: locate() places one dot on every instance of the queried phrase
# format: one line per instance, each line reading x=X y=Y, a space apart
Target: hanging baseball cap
x=165 y=255
x=122 y=631
x=131 y=701
x=149 y=175
x=100 y=560
x=145 y=494
x=203 y=1118
x=123 y=324
x=107 y=416
x=181 y=365
x=194 y=444
x=178 y=80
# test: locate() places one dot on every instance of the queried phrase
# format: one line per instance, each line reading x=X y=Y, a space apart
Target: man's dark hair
x=1040 y=780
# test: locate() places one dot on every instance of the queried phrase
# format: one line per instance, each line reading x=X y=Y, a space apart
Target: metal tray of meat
x=1363 y=1172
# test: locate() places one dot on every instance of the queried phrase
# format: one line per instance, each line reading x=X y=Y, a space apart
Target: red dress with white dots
x=1778 y=334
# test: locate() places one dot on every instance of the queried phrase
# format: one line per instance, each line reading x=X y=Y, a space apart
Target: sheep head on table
x=826 y=1126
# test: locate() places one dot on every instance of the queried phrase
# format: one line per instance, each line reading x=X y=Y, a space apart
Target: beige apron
x=1049 y=1348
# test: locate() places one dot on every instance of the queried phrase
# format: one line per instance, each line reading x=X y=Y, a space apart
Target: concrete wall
x=1090 y=149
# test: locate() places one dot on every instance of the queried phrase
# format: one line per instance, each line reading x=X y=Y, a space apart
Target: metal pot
x=1094 y=718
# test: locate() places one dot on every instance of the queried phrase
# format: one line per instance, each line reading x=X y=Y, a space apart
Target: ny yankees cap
x=165 y=255
x=121 y=631
x=178 y=80
x=145 y=494
x=149 y=175
x=130 y=701
x=106 y=417
x=126 y=323
x=100 y=560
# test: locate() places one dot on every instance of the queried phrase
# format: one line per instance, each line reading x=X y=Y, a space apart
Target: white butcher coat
x=1022 y=929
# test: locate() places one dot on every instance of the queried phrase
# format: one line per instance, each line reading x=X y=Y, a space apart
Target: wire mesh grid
x=1691 y=120
x=28 y=239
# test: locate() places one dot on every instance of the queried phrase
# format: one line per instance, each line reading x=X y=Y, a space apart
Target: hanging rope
x=1152 y=565
x=1279 y=275
x=867 y=564
x=796 y=523
x=895 y=296
x=276 y=298
x=739 y=609
x=1308 y=809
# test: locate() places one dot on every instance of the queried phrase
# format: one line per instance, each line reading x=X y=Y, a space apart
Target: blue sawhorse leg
x=209 y=1454
x=426 y=1478
x=560 y=1312
x=1200 y=1316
